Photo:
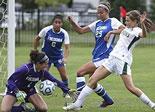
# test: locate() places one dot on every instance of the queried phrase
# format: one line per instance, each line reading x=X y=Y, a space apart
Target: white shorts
x=99 y=63
x=117 y=66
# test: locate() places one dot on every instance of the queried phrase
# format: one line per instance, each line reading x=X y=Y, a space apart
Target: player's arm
x=72 y=93
x=77 y=28
x=67 y=49
x=58 y=83
x=36 y=42
x=118 y=31
x=15 y=76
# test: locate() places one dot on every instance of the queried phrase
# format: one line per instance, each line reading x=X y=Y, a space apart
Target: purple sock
x=17 y=109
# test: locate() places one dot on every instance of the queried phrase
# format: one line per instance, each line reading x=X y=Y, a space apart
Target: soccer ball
x=47 y=87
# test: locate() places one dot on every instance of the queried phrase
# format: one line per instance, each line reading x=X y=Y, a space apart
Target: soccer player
x=21 y=85
x=54 y=36
x=120 y=59
x=102 y=28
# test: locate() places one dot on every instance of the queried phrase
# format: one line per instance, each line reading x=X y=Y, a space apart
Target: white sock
x=84 y=93
x=146 y=100
x=80 y=79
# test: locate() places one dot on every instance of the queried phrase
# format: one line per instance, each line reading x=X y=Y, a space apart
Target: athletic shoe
x=106 y=103
x=72 y=106
x=27 y=108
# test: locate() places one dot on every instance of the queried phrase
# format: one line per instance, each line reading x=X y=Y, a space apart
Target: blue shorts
x=56 y=62
x=29 y=92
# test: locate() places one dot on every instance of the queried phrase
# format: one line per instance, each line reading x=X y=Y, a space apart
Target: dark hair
x=59 y=16
x=135 y=15
x=36 y=56
x=107 y=4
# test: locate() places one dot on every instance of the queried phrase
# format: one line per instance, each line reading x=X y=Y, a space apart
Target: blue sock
x=66 y=82
x=80 y=83
x=17 y=109
x=99 y=90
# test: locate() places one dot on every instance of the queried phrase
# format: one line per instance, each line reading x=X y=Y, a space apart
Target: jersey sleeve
x=137 y=32
x=58 y=83
x=115 y=23
x=92 y=26
x=15 y=76
x=43 y=32
x=66 y=40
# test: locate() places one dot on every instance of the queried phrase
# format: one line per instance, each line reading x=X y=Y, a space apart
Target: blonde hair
x=135 y=15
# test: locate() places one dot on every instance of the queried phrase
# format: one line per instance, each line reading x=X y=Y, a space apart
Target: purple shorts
x=29 y=92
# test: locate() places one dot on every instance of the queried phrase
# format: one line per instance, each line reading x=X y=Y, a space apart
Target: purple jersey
x=26 y=76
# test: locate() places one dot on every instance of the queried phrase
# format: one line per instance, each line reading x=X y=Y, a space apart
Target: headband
x=103 y=6
x=44 y=58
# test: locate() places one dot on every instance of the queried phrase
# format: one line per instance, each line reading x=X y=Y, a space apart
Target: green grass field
x=143 y=72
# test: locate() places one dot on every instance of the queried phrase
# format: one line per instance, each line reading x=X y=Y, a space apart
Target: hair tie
x=44 y=58
x=103 y=6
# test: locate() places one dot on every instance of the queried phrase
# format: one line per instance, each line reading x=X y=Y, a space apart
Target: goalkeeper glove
x=73 y=94
x=21 y=95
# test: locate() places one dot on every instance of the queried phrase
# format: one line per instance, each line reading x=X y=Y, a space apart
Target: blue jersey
x=100 y=29
x=52 y=44
x=26 y=76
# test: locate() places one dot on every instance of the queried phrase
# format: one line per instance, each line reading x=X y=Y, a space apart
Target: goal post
x=7 y=42
x=11 y=37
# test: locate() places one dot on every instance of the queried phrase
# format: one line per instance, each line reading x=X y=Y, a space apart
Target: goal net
x=7 y=42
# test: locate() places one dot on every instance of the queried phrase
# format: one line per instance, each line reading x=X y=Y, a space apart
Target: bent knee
x=80 y=73
x=43 y=109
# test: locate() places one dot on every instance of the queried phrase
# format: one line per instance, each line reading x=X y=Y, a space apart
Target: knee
x=43 y=109
x=80 y=73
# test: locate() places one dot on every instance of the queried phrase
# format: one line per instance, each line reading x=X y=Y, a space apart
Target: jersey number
x=53 y=44
x=99 y=33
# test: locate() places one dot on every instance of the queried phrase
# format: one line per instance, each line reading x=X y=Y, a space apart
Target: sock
x=66 y=82
x=80 y=83
x=84 y=93
x=17 y=109
x=99 y=90
x=146 y=100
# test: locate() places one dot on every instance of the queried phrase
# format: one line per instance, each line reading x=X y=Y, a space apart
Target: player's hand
x=70 y=19
x=64 y=60
x=21 y=95
x=106 y=38
x=73 y=94
x=143 y=16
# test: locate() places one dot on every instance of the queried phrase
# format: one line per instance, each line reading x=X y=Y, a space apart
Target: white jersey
x=128 y=39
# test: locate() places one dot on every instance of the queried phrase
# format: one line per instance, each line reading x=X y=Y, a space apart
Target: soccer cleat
x=106 y=103
x=72 y=106
x=27 y=108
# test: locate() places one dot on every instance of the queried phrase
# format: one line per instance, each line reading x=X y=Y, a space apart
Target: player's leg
x=7 y=103
x=127 y=79
x=99 y=90
x=65 y=80
x=87 y=68
x=99 y=74
x=63 y=74
x=38 y=102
